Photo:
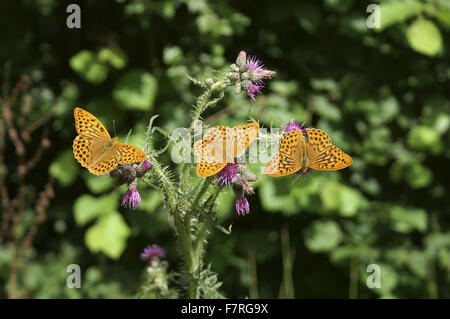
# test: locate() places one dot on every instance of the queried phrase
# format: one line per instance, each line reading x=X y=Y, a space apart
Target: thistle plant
x=190 y=203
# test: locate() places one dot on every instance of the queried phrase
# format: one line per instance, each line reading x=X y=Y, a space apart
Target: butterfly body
x=220 y=145
x=96 y=150
x=298 y=154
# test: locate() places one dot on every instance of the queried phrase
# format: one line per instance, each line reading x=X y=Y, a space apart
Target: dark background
x=382 y=96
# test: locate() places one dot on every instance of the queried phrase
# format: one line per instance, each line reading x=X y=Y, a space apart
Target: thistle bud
x=209 y=81
x=233 y=76
x=245 y=76
x=237 y=89
x=246 y=84
x=234 y=68
x=241 y=61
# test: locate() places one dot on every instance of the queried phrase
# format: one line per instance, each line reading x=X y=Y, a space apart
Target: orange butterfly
x=96 y=150
x=220 y=145
x=298 y=153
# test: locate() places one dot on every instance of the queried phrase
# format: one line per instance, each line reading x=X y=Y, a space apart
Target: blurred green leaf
x=341 y=198
x=98 y=184
x=398 y=11
x=423 y=137
x=88 y=207
x=435 y=242
x=108 y=235
x=284 y=88
x=225 y=205
x=87 y=65
x=273 y=201
x=172 y=55
x=419 y=176
x=324 y=108
x=424 y=37
x=323 y=236
x=406 y=220
x=328 y=85
x=136 y=90
x=64 y=168
x=114 y=56
x=330 y=195
x=151 y=199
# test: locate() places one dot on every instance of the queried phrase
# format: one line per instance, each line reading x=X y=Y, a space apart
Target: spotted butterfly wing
x=210 y=151
x=322 y=155
x=243 y=136
x=84 y=149
x=94 y=149
x=220 y=145
x=288 y=159
x=89 y=126
x=126 y=153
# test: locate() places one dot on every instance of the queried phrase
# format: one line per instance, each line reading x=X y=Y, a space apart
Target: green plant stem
x=183 y=229
x=205 y=184
x=203 y=102
x=190 y=250
x=203 y=227
x=354 y=277
x=288 y=259
x=164 y=183
x=183 y=218
x=186 y=246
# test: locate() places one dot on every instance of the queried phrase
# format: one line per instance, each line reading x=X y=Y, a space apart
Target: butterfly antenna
x=296 y=177
x=114 y=126
x=128 y=135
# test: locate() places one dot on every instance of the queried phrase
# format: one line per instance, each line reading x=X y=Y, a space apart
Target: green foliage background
x=382 y=95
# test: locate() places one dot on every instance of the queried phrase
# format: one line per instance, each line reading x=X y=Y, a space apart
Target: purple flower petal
x=131 y=199
x=242 y=206
x=152 y=251
x=293 y=125
x=146 y=165
x=254 y=89
x=227 y=175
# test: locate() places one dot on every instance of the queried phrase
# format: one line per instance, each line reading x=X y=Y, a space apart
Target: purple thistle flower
x=254 y=64
x=254 y=89
x=146 y=165
x=257 y=69
x=131 y=199
x=242 y=206
x=293 y=125
x=249 y=73
x=152 y=251
x=227 y=175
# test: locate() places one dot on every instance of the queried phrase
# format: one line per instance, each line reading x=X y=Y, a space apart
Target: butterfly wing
x=205 y=169
x=331 y=159
x=322 y=155
x=243 y=136
x=287 y=160
x=83 y=149
x=104 y=163
x=91 y=153
x=89 y=126
x=318 y=139
x=210 y=151
x=126 y=153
